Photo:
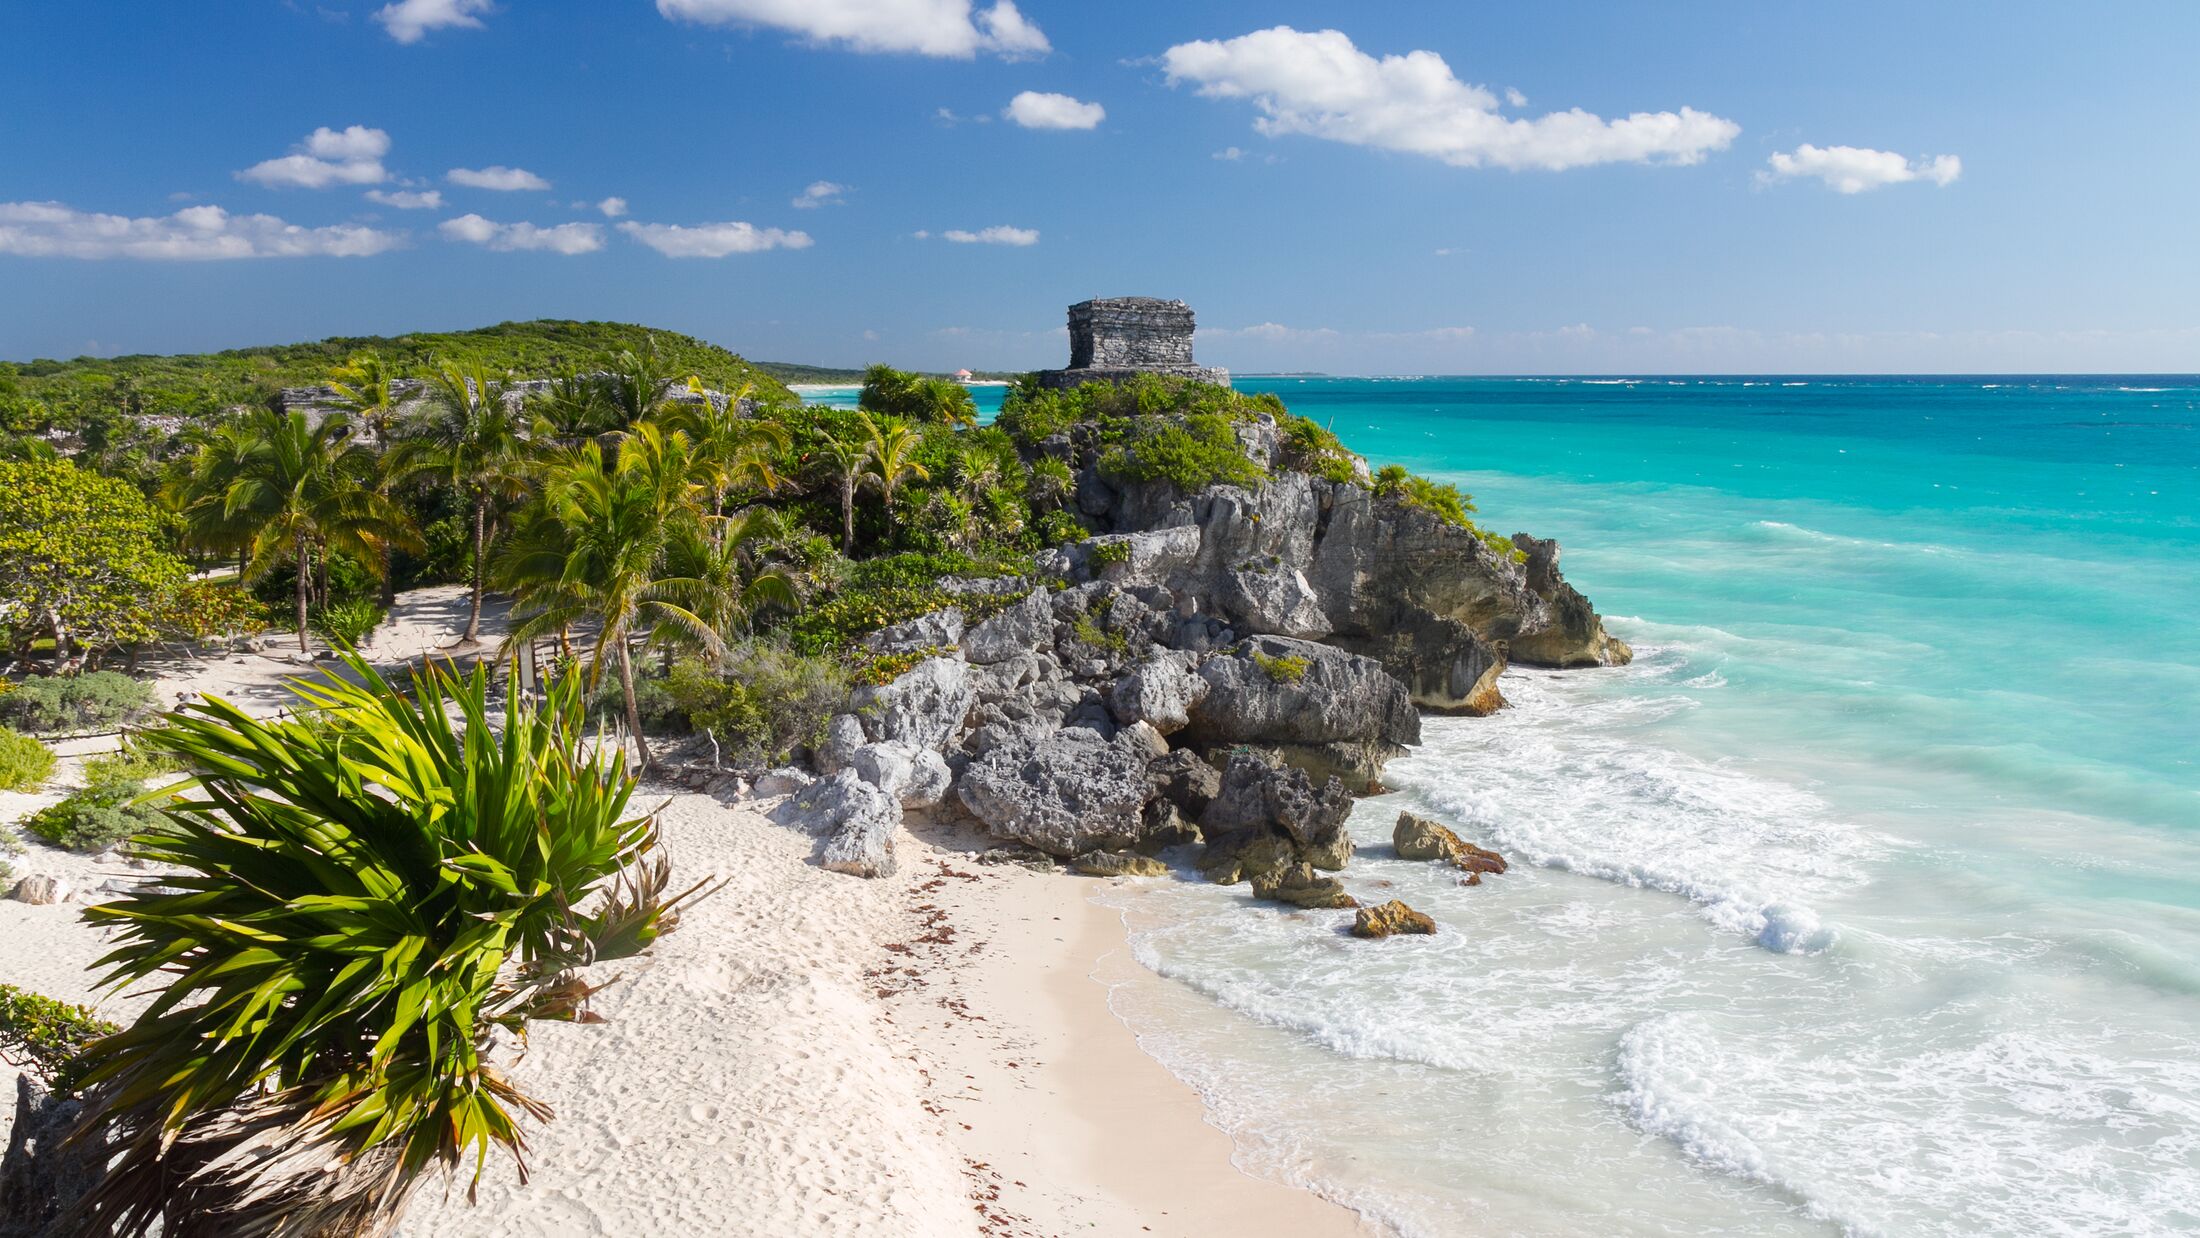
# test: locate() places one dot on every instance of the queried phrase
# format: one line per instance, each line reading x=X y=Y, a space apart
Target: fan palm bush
x=359 y=902
x=472 y=437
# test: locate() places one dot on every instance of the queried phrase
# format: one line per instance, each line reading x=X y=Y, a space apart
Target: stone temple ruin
x=1115 y=338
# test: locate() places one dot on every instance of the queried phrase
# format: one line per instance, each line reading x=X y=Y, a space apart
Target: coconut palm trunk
x=633 y=706
x=481 y=565
x=847 y=515
x=305 y=582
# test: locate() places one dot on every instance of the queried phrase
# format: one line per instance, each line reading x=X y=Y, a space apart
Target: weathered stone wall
x=1116 y=338
x=1129 y=333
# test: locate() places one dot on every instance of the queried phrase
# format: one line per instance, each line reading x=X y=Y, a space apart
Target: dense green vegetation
x=357 y=905
x=64 y=704
x=83 y=392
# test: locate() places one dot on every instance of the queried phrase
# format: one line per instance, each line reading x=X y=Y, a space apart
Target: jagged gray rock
x=1065 y=793
x=843 y=735
x=1160 y=691
x=857 y=820
x=42 y=1173
x=924 y=708
x=1576 y=636
x=1256 y=797
x=938 y=630
x=1015 y=631
x=917 y=777
x=1316 y=706
x=786 y=780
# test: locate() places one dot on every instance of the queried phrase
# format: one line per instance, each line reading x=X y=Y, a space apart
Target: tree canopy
x=81 y=557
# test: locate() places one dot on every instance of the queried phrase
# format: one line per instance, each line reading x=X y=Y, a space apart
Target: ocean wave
x=1561 y=782
x=1929 y=1126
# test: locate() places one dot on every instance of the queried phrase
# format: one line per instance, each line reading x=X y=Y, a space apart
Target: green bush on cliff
x=1309 y=447
x=1289 y=668
x=1191 y=453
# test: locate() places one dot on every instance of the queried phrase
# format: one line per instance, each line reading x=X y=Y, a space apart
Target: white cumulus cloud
x=349 y=156
x=409 y=21
x=1854 y=169
x=612 y=208
x=951 y=28
x=193 y=234
x=820 y=193
x=998 y=234
x=713 y=240
x=1320 y=85
x=560 y=239
x=498 y=177
x=1034 y=110
x=408 y=199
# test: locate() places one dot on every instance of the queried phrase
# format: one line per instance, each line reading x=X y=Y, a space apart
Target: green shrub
x=1105 y=553
x=133 y=763
x=760 y=703
x=347 y=623
x=1057 y=527
x=606 y=703
x=1312 y=448
x=42 y=1035
x=1290 y=668
x=100 y=816
x=1199 y=451
x=93 y=701
x=24 y=762
x=1088 y=631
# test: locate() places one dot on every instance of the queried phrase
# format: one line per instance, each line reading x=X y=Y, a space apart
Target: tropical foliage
x=358 y=904
x=79 y=556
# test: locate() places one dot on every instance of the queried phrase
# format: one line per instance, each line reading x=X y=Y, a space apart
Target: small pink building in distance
x=962 y=376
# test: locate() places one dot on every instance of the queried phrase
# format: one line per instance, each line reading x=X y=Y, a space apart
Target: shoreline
x=1081 y=1130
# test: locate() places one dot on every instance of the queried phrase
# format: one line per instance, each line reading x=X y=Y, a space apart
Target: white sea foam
x=1564 y=781
x=1895 y=1124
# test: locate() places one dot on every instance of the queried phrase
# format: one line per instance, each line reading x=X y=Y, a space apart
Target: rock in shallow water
x=1389 y=920
x=1418 y=838
x=1118 y=864
x=1299 y=886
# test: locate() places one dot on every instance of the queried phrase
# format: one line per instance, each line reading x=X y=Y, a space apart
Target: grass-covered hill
x=71 y=394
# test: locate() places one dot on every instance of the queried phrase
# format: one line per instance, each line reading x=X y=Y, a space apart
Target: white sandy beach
x=809 y=1053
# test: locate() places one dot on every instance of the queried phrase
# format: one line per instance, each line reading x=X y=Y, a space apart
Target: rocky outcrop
x=856 y=820
x=1264 y=817
x=923 y=709
x=938 y=630
x=1161 y=691
x=43 y=1171
x=1329 y=712
x=1389 y=920
x=1014 y=632
x=916 y=777
x=1066 y=793
x=1576 y=636
x=1417 y=838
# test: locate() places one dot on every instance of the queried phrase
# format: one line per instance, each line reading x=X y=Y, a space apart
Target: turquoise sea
x=1867 y=900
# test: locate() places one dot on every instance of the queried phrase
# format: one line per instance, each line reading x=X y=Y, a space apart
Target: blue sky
x=1395 y=187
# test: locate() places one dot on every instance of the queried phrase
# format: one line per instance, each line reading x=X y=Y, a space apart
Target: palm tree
x=638 y=383
x=890 y=459
x=578 y=406
x=843 y=463
x=605 y=532
x=732 y=451
x=471 y=437
x=366 y=390
x=353 y=905
x=196 y=488
x=732 y=582
x=303 y=488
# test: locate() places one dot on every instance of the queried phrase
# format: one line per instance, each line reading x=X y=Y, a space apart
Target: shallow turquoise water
x=1867 y=900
